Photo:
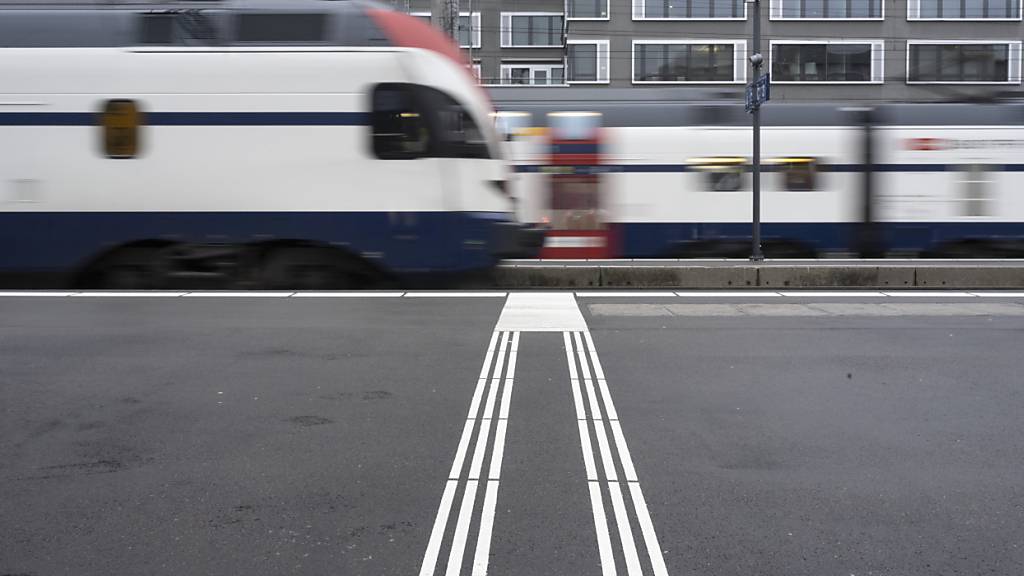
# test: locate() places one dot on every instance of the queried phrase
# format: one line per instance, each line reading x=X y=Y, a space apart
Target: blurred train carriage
x=306 y=144
x=665 y=173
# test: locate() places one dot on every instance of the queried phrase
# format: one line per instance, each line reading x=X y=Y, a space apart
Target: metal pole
x=445 y=15
x=755 y=253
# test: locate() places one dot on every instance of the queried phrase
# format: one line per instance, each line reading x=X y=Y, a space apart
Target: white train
x=144 y=146
x=654 y=173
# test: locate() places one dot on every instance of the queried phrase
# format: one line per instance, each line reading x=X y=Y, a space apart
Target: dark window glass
x=822 y=62
x=683 y=63
x=120 y=123
x=587 y=9
x=456 y=134
x=536 y=30
x=156 y=29
x=693 y=9
x=582 y=62
x=976 y=9
x=832 y=8
x=467 y=31
x=282 y=27
x=959 y=63
x=800 y=175
x=399 y=128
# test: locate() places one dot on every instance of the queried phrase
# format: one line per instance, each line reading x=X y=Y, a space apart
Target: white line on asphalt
x=569 y=356
x=832 y=294
x=461 y=530
x=598 y=371
x=480 y=450
x=625 y=532
x=636 y=294
x=34 y=294
x=624 y=457
x=154 y=294
x=606 y=452
x=607 y=396
x=929 y=294
x=604 y=542
x=588 y=450
x=730 y=294
x=499 y=450
x=437 y=533
x=577 y=400
x=647 y=528
x=515 y=341
x=483 y=541
x=367 y=294
x=455 y=294
x=506 y=394
x=460 y=452
x=510 y=372
x=474 y=404
x=253 y=294
x=484 y=372
x=584 y=367
x=999 y=294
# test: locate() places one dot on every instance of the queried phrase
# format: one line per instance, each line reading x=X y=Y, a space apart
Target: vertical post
x=445 y=15
x=756 y=60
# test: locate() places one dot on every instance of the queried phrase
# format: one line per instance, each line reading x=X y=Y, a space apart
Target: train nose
x=517 y=240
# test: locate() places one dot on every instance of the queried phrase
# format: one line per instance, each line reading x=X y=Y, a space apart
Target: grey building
x=861 y=50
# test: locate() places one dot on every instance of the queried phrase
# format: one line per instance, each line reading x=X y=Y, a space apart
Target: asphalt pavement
x=747 y=433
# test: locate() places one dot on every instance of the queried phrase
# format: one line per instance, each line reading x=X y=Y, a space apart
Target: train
x=306 y=144
x=666 y=173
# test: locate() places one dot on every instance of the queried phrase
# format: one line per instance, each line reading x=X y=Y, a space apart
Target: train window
x=976 y=181
x=120 y=123
x=399 y=129
x=156 y=29
x=458 y=135
x=799 y=174
x=278 y=27
x=511 y=124
x=724 y=174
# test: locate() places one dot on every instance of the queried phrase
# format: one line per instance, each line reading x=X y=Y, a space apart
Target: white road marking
x=481 y=449
x=490 y=353
x=437 y=533
x=607 y=396
x=832 y=294
x=569 y=356
x=461 y=530
x=367 y=294
x=636 y=294
x=499 y=450
x=541 y=312
x=577 y=400
x=604 y=542
x=460 y=452
x=730 y=294
x=455 y=294
x=588 y=450
x=929 y=294
x=506 y=393
x=606 y=453
x=998 y=294
x=154 y=294
x=36 y=294
x=625 y=532
x=647 y=528
x=598 y=371
x=253 y=294
x=483 y=542
x=624 y=457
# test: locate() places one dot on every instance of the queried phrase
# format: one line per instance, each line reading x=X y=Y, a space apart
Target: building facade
x=863 y=50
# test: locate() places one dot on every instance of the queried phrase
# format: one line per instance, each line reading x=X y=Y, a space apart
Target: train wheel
x=306 y=269
x=131 y=269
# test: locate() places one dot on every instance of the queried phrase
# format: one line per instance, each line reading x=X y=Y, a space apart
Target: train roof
x=673 y=106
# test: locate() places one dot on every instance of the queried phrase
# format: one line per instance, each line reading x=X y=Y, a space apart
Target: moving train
x=666 y=172
x=306 y=144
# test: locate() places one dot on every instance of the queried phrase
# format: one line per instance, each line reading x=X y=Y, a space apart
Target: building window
x=963 y=10
x=534 y=29
x=686 y=61
x=827 y=9
x=469 y=27
x=533 y=74
x=276 y=27
x=846 y=62
x=587 y=62
x=963 y=62
x=587 y=9
x=689 y=9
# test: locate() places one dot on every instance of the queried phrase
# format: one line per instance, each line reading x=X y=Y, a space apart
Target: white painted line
x=636 y=294
x=483 y=541
x=577 y=400
x=515 y=341
x=625 y=532
x=141 y=294
x=367 y=294
x=541 y=312
x=460 y=452
x=33 y=294
x=606 y=395
x=455 y=294
x=510 y=372
x=730 y=294
x=437 y=533
x=584 y=367
x=499 y=450
x=506 y=399
x=574 y=242
x=598 y=371
x=480 y=450
x=485 y=371
x=929 y=294
x=461 y=530
x=570 y=356
x=647 y=528
x=832 y=294
x=624 y=457
x=604 y=543
x=606 y=452
x=588 y=450
x=474 y=404
x=253 y=294
x=999 y=294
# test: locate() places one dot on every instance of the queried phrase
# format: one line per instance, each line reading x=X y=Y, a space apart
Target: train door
x=575 y=215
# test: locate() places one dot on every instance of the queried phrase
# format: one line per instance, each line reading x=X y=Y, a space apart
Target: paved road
x=820 y=433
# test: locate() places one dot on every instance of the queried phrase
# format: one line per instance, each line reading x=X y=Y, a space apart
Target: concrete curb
x=759 y=276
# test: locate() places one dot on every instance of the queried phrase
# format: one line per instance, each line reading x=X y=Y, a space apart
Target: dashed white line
x=999 y=294
x=832 y=294
x=154 y=294
x=481 y=449
x=366 y=294
x=34 y=294
x=636 y=294
x=253 y=294
x=625 y=532
x=462 y=530
x=455 y=294
x=929 y=294
x=588 y=450
x=499 y=450
x=606 y=453
x=506 y=394
x=647 y=529
x=624 y=457
x=730 y=294
x=483 y=542
x=437 y=533
x=460 y=452
x=604 y=541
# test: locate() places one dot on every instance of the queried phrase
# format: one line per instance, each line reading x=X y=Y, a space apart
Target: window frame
x=509 y=31
x=877 y=59
x=474 y=21
x=776 y=12
x=607 y=57
x=1013 y=65
x=607 y=11
x=639 y=10
x=739 y=60
x=533 y=67
x=914 y=15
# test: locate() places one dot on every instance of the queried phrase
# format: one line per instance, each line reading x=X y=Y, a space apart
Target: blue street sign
x=758 y=92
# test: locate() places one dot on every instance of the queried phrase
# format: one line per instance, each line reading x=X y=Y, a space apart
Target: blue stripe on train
x=403 y=242
x=645 y=240
x=192 y=119
x=682 y=168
